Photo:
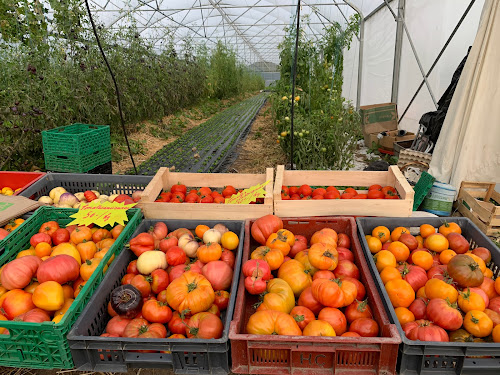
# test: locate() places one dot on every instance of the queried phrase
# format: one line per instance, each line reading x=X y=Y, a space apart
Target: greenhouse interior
x=181 y=186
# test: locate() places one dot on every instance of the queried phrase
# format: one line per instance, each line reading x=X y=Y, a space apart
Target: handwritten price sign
x=101 y=213
x=249 y=195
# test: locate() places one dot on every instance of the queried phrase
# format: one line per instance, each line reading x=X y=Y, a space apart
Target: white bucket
x=440 y=199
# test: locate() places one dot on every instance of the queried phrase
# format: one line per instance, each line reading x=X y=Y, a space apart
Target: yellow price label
x=249 y=195
x=101 y=213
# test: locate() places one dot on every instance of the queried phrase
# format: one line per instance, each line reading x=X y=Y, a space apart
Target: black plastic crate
x=74 y=182
x=429 y=357
x=117 y=354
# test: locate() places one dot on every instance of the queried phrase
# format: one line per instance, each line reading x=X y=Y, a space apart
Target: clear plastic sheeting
x=253 y=28
x=468 y=148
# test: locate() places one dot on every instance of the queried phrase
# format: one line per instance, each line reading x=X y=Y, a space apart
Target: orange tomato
x=68 y=291
x=468 y=301
x=68 y=249
x=448 y=228
x=287 y=236
x=404 y=315
x=88 y=268
x=397 y=232
x=400 y=293
x=423 y=259
x=497 y=285
x=49 y=296
x=399 y=250
x=382 y=233
x=273 y=257
x=426 y=230
x=446 y=256
x=116 y=231
x=65 y=307
x=488 y=273
x=31 y=288
x=374 y=244
x=436 y=242
x=478 y=323
x=420 y=241
x=479 y=261
x=421 y=292
x=43 y=249
x=383 y=259
x=278 y=242
x=496 y=333
x=390 y=273
x=86 y=249
x=200 y=230
x=435 y=288
x=80 y=234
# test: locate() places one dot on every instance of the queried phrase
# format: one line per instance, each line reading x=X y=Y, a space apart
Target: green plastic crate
x=77 y=163
x=76 y=139
x=44 y=345
x=422 y=188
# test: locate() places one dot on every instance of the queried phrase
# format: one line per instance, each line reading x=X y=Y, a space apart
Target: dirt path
x=260 y=149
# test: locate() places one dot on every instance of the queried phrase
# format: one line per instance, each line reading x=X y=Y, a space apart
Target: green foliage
x=326 y=126
x=53 y=75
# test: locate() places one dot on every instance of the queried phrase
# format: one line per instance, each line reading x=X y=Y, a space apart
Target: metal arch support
x=243 y=37
x=414 y=53
x=360 y=52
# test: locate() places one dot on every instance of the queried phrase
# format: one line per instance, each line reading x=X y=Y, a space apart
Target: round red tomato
x=222 y=299
x=228 y=257
x=343 y=241
x=264 y=226
x=61 y=235
x=365 y=327
x=117 y=325
x=132 y=267
x=375 y=194
x=219 y=274
x=175 y=255
x=204 y=325
x=177 y=325
x=160 y=280
x=156 y=312
x=444 y=314
x=358 y=309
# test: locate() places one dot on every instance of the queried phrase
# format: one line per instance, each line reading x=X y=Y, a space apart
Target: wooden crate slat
x=483 y=213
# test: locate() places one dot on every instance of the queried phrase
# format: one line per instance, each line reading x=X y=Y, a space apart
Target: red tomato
x=228 y=191
x=61 y=235
x=207 y=199
x=318 y=191
x=177 y=324
x=344 y=241
x=443 y=314
x=41 y=237
x=346 y=196
x=389 y=189
x=295 y=197
x=285 y=190
x=366 y=327
x=219 y=200
x=160 y=281
x=351 y=190
x=117 y=325
x=375 y=194
x=360 y=196
x=178 y=188
x=132 y=267
x=49 y=227
x=156 y=312
x=293 y=190
x=204 y=325
x=358 y=309
x=299 y=245
x=375 y=187
x=175 y=255
x=192 y=198
x=305 y=190
x=332 y=194
x=228 y=257
x=222 y=299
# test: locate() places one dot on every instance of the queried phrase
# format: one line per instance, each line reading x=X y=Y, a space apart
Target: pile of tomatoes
x=177 y=286
x=317 y=293
x=43 y=281
x=179 y=194
x=9 y=227
x=441 y=289
x=331 y=192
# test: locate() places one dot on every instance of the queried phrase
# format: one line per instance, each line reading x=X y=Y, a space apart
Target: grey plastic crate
x=428 y=357
x=117 y=354
x=75 y=182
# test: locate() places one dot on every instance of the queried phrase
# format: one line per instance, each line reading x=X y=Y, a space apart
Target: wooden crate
x=164 y=179
x=484 y=213
x=367 y=207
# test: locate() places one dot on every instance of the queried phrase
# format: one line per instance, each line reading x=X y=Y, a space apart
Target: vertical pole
x=397 y=51
x=294 y=74
x=360 y=60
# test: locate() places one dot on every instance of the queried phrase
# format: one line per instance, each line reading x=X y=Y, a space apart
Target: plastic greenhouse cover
x=254 y=28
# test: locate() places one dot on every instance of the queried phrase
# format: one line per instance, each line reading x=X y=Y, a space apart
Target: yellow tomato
x=49 y=296
x=230 y=240
x=68 y=249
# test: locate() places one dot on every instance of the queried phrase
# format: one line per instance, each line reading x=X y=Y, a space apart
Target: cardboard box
x=377 y=118
x=387 y=142
x=370 y=139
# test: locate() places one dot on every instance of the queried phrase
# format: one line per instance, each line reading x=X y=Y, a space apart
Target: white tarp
x=429 y=23
x=468 y=148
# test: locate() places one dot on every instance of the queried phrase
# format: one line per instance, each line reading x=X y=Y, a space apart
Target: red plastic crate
x=16 y=180
x=307 y=355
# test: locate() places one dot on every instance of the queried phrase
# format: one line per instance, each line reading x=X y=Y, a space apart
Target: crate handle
x=133 y=357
